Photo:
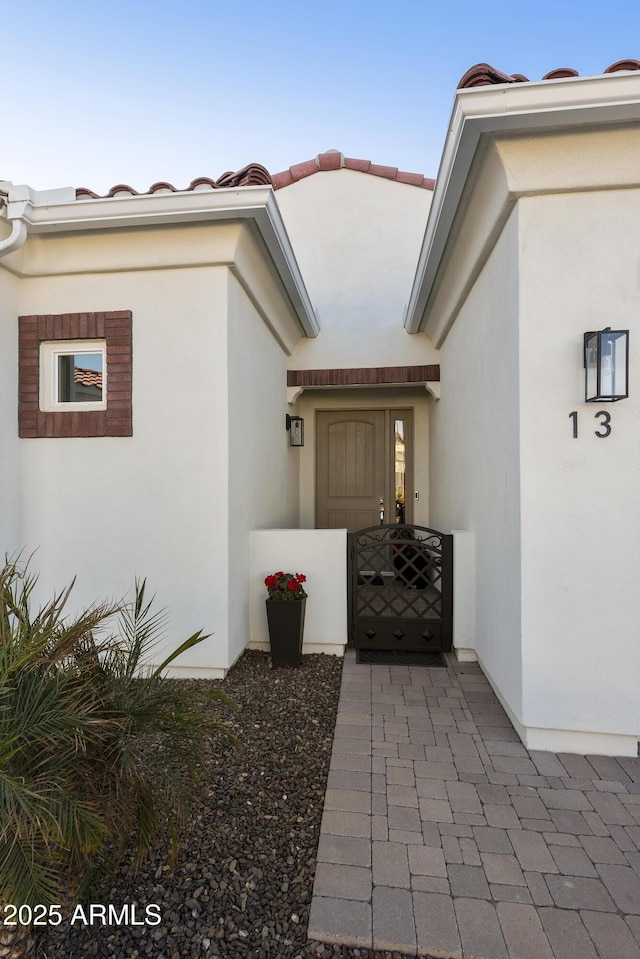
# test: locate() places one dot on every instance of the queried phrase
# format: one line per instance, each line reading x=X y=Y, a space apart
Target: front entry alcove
x=363 y=446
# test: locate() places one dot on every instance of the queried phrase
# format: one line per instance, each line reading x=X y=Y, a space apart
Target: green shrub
x=98 y=751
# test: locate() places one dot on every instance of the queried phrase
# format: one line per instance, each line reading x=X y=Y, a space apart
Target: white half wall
x=464 y=595
x=321 y=554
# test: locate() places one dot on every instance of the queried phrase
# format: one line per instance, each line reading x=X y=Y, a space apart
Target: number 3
x=604 y=425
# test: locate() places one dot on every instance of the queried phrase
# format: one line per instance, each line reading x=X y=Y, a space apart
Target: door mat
x=398 y=657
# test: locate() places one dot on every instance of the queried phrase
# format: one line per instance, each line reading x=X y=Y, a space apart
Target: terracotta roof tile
x=483 y=74
x=389 y=172
x=201 y=183
x=251 y=175
x=334 y=160
x=162 y=187
x=87 y=377
x=256 y=175
x=623 y=65
x=362 y=165
x=301 y=170
x=282 y=179
x=415 y=179
x=561 y=73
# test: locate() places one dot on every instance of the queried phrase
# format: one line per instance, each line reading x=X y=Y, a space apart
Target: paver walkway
x=442 y=835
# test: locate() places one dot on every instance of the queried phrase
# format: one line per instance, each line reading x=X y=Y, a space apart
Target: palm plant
x=151 y=750
x=97 y=750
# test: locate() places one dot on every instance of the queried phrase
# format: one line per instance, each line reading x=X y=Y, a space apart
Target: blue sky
x=98 y=92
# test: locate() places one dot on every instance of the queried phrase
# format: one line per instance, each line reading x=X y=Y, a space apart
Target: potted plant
x=285 y=616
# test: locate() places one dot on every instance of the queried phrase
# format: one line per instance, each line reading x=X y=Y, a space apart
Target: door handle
x=381 y=511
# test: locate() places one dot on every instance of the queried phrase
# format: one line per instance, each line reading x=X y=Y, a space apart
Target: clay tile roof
x=483 y=74
x=251 y=175
x=334 y=160
x=162 y=187
x=623 y=65
x=87 y=377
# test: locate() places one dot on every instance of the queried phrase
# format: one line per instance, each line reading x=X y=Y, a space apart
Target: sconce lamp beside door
x=295 y=427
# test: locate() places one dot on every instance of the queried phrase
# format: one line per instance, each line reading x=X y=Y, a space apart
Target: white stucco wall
x=556 y=519
x=153 y=504
x=321 y=555
x=208 y=460
x=263 y=468
x=475 y=481
x=580 y=504
x=9 y=474
x=357 y=239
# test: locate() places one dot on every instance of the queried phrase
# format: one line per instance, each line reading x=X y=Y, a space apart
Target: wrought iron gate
x=401 y=588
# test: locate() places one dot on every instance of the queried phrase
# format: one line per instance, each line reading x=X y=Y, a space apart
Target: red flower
x=285 y=586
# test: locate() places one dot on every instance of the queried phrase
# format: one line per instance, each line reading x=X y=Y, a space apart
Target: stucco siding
x=153 y=504
x=580 y=502
x=358 y=273
x=475 y=481
x=10 y=472
x=263 y=468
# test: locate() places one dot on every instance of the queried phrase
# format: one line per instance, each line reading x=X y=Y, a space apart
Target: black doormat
x=398 y=657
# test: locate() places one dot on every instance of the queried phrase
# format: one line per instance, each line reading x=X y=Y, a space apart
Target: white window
x=73 y=375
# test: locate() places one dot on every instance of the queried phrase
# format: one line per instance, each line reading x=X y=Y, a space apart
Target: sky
x=99 y=92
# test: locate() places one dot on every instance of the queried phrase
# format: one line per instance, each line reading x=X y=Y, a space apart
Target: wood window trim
x=115 y=329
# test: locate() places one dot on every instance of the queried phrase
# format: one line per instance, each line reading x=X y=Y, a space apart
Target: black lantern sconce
x=606 y=366
x=295 y=428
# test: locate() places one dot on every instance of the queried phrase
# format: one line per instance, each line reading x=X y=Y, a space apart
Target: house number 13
x=605 y=424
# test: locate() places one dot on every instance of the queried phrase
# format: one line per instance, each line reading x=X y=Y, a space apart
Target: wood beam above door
x=365 y=376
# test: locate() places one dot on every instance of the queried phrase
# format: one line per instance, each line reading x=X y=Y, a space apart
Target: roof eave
x=510 y=108
x=58 y=212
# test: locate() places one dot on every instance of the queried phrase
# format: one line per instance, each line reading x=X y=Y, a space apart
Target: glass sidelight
x=400 y=468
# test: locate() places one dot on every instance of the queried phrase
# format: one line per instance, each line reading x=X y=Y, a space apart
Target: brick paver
x=567 y=934
x=443 y=836
x=436 y=925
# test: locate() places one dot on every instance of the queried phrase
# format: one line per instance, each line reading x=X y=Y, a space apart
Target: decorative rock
x=242 y=883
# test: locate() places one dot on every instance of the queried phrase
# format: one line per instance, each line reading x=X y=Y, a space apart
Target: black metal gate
x=401 y=588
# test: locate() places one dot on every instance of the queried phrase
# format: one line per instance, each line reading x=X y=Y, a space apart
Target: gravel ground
x=243 y=881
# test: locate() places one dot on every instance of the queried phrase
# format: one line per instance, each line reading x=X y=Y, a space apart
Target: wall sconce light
x=295 y=427
x=606 y=366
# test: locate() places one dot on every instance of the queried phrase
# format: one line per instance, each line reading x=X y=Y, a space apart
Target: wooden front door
x=363 y=468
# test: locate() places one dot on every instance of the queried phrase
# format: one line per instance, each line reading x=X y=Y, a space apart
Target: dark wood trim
x=365 y=376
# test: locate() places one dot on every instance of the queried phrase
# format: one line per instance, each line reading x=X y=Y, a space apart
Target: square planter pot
x=286 y=625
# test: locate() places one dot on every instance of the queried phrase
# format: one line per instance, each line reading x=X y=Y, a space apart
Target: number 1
x=574 y=416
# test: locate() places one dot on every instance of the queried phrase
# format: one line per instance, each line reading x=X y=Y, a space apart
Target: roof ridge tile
x=335 y=160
